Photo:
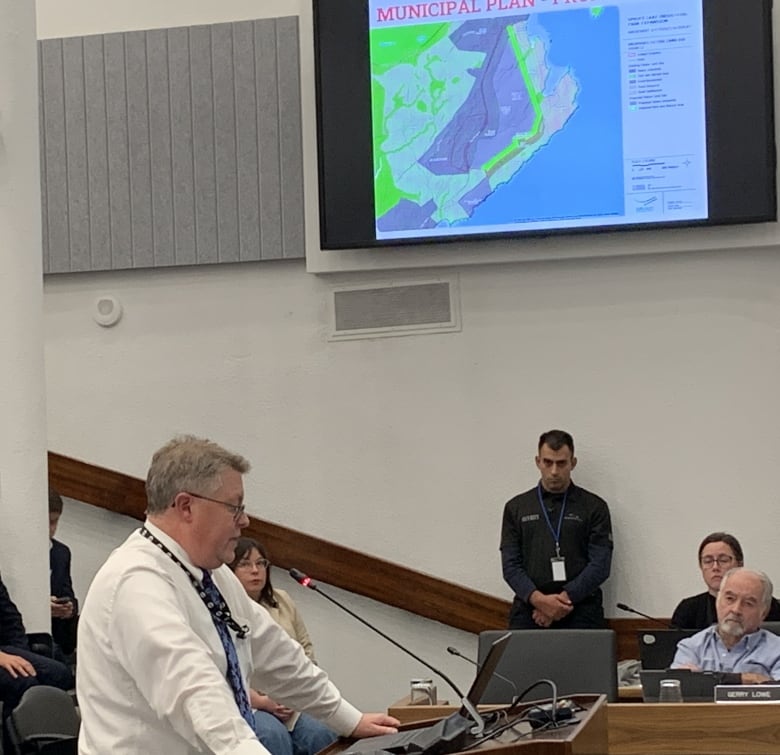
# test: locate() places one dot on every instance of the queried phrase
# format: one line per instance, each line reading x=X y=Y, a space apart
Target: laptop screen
x=658 y=646
x=486 y=671
x=442 y=735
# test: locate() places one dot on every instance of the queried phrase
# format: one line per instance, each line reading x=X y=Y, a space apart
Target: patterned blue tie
x=234 y=677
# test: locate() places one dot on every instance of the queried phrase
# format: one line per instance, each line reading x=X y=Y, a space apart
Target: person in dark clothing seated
x=20 y=668
x=64 y=606
x=718 y=553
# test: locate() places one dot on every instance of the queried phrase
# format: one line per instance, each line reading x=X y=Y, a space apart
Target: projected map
x=497 y=121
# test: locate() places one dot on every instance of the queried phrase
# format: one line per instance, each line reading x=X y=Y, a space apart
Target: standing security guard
x=556 y=545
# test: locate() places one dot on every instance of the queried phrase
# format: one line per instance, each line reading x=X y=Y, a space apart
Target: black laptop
x=696 y=686
x=658 y=646
x=451 y=734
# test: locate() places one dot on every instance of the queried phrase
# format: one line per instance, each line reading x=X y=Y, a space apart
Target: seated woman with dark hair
x=281 y=730
x=718 y=553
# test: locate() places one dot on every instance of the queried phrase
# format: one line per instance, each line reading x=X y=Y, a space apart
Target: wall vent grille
x=408 y=308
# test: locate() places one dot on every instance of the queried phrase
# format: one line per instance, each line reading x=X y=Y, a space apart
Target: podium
x=586 y=736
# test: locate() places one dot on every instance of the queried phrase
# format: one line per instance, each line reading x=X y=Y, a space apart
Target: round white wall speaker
x=108 y=311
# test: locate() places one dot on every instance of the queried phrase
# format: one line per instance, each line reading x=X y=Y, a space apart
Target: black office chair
x=44 y=721
x=580 y=661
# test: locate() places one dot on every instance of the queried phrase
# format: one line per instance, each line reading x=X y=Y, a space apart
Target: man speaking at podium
x=168 y=637
x=556 y=545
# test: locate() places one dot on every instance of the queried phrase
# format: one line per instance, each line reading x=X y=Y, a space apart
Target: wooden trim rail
x=386 y=582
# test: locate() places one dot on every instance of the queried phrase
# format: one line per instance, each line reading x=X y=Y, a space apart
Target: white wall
x=664 y=368
x=22 y=388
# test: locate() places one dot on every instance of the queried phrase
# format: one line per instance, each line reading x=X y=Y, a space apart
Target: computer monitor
x=579 y=661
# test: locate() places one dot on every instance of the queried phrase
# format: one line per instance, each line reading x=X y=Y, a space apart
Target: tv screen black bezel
x=741 y=182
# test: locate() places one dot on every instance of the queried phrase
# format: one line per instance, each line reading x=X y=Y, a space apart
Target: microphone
x=454 y=651
x=664 y=624
x=306 y=581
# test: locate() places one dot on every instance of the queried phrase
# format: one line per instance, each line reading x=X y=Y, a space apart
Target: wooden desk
x=693 y=729
x=632 y=694
x=658 y=729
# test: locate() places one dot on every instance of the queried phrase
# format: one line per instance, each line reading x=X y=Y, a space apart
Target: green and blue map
x=500 y=121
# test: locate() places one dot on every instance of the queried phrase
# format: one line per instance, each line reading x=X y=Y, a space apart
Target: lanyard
x=556 y=534
x=220 y=610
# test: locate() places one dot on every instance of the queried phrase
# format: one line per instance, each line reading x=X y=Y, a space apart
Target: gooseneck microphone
x=664 y=624
x=479 y=722
x=454 y=651
x=306 y=581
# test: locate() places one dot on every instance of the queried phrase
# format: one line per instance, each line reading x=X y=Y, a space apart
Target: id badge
x=558 y=564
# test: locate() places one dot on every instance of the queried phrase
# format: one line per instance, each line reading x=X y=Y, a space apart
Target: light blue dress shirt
x=757 y=653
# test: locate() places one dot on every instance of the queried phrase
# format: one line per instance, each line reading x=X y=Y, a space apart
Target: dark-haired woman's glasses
x=709 y=561
x=260 y=563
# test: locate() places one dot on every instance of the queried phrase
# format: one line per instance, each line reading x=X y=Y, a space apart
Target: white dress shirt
x=151 y=677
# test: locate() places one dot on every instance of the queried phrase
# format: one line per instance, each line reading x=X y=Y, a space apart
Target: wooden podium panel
x=587 y=737
x=694 y=729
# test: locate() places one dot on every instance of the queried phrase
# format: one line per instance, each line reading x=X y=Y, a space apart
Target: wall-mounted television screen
x=458 y=119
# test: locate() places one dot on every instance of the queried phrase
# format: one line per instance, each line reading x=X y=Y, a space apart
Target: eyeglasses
x=238 y=510
x=709 y=561
x=260 y=563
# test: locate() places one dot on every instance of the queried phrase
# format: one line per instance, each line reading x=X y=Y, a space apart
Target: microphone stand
x=306 y=581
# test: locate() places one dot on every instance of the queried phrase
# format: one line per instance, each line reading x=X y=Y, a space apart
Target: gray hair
x=766 y=584
x=188 y=463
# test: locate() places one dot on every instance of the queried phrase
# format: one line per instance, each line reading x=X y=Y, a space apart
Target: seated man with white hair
x=736 y=644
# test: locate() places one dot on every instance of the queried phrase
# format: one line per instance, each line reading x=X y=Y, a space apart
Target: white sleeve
x=285 y=673
x=172 y=667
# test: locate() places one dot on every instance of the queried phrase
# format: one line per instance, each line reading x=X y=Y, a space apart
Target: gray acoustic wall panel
x=171 y=147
